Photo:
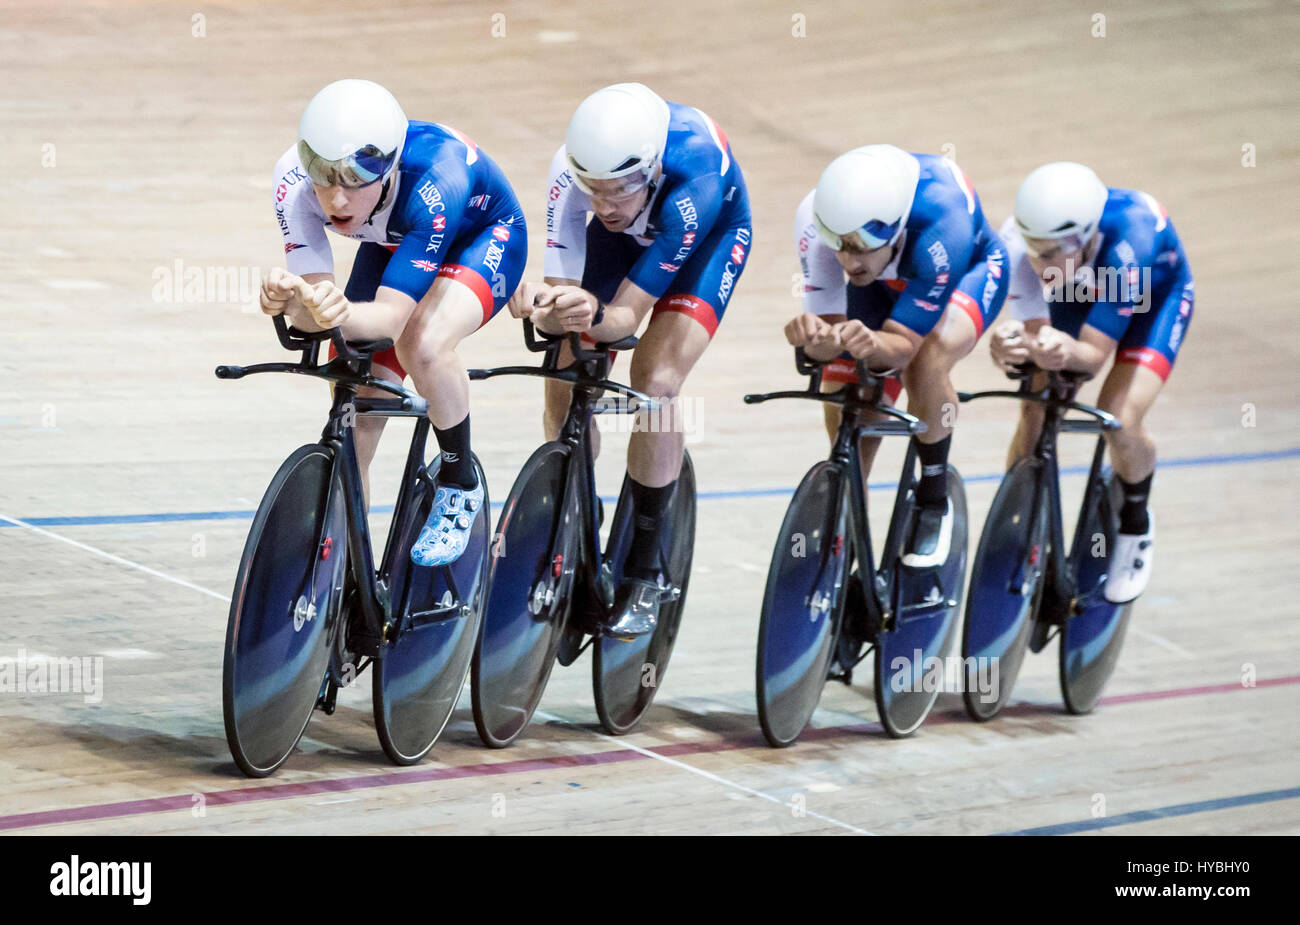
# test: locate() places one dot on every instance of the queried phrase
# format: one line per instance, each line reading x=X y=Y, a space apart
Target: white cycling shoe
x=446 y=533
x=930 y=537
x=1130 y=564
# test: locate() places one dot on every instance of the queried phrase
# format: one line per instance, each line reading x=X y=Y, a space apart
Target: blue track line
x=1224 y=459
x=1163 y=812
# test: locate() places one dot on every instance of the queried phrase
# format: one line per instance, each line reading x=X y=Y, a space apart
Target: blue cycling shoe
x=446 y=533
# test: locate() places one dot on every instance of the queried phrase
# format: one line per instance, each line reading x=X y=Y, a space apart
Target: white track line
x=623 y=743
x=1163 y=642
x=118 y=559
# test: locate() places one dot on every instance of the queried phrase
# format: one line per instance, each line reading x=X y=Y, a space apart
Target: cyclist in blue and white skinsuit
x=925 y=276
x=443 y=248
x=1099 y=272
x=670 y=237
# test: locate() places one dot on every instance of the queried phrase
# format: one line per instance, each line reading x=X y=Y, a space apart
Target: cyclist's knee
x=658 y=382
x=928 y=369
x=433 y=346
x=1129 y=414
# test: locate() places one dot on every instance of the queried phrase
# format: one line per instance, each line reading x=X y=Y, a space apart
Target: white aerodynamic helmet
x=865 y=196
x=351 y=134
x=1060 y=202
x=619 y=131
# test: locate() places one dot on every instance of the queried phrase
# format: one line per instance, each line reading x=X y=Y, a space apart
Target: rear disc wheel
x=626 y=674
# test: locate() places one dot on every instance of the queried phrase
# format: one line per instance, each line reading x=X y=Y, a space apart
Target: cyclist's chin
x=615 y=224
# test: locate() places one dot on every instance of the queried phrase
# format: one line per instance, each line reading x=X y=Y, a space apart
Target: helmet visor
x=1052 y=248
x=360 y=168
x=870 y=236
x=622 y=186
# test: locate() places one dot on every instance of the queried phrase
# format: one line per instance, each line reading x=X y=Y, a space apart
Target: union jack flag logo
x=670 y=267
x=428 y=266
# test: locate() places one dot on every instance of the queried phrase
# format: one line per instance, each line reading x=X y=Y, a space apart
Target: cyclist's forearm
x=373 y=321
x=895 y=352
x=620 y=321
x=1084 y=358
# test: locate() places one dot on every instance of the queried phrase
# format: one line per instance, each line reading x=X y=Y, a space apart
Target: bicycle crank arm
x=924 y=609
x=425 y=618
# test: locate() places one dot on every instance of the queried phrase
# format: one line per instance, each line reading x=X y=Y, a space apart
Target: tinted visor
x=360 y=168
x=870 y=236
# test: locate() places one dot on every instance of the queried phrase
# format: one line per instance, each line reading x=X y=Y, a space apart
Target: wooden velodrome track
x=128 y=472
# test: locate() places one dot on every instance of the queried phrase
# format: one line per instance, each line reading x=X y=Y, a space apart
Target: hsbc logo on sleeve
x=432 y=197
x=501 y=233
x=939 y=254
x=492 y=260
x=690 y=217
x=439 y=222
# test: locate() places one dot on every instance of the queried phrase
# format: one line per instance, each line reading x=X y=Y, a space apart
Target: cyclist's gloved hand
x=858 y=339
x=328 y=305
x=528 y=298
x=571 y=308
x=1009 y=346
x=1051 y=349
x=812 y=331
x=278 y=290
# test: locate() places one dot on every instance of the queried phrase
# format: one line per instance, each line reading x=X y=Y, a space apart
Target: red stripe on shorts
x=971 y=307
x=690 y=305
x=1153 y=360
x=475 y=281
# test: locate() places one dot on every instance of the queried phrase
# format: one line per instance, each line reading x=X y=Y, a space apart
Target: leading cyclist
x=443 y=246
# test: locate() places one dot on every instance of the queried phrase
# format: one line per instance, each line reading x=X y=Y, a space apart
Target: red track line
x=257 y=793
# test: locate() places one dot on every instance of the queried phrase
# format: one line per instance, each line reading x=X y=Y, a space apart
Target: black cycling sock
x=648 y=507
x=1133 y=518
x=932 y=489
x=457 y=467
